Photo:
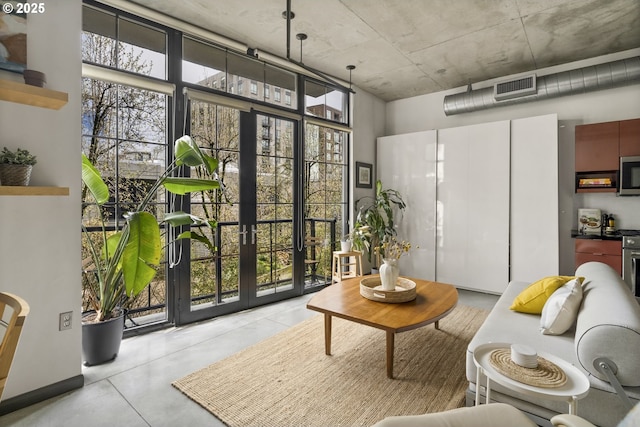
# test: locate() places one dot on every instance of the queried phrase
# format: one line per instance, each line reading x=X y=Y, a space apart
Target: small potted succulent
x=15 y=166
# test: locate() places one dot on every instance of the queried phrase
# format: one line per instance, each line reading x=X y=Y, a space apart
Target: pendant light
x=350 y=68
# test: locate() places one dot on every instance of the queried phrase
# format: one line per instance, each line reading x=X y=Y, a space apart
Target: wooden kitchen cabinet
x=605 y=251
x=630 y=138
x=597 y=147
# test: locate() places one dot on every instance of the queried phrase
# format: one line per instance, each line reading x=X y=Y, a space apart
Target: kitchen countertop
x=615 y=236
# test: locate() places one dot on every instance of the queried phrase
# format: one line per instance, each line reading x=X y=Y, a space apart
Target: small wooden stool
x=344 y=270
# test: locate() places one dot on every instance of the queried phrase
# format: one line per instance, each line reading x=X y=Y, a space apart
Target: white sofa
x=608 y=325
x=492 y=415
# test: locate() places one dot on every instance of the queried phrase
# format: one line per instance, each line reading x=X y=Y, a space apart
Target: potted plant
x=122 y=264
x=375 y=221
x=15 y=166
x=346 y=241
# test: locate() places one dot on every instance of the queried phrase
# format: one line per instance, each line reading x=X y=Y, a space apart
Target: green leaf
x=199 y=237
x=112 y=244
x=92 y=179
x=179 y=218
x=187 y=152
x=211 y=163
x=183 y=186
x=141 y=253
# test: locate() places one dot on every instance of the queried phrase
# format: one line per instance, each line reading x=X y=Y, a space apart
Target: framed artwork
x=363 y=175
x=13 y=38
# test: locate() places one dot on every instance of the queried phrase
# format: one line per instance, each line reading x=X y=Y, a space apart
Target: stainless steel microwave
x=630 y=176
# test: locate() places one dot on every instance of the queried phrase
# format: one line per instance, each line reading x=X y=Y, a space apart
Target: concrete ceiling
x=404 y=48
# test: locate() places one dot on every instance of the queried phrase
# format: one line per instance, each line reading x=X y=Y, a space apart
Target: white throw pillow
x=561 y=309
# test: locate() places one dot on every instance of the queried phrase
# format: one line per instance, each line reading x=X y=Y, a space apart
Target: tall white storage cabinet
x=482 y=201
x=535 y=250
x=472 y=233
x=407 y=163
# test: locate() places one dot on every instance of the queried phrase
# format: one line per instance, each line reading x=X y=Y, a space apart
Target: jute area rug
x=287 y=380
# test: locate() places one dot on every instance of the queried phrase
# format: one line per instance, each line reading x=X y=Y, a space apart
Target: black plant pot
x=101 y=340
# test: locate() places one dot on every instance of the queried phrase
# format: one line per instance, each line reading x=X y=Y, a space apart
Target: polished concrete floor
x=135 y=389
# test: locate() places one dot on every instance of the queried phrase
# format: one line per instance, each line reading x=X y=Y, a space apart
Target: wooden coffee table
x=433 y=302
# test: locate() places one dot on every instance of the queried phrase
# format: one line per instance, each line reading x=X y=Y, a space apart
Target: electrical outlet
x=65 y=320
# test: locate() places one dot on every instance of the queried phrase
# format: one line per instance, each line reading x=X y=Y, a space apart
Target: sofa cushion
x=561 y=309
x=532 y=299
x=608 y=324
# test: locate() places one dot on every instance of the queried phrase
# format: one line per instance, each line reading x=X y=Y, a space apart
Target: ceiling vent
x=515 y=88
x=580 y=80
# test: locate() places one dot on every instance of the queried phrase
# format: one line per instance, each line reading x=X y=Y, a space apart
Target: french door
x=252 y=262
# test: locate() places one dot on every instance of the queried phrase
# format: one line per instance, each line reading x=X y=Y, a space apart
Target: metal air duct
x=581 y=80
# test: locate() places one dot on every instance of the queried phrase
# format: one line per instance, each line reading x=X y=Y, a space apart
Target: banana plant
x=126 y=263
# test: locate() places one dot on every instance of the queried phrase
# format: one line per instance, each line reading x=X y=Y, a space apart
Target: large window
x=124 y=133
x=124 y=136
x=249 y=115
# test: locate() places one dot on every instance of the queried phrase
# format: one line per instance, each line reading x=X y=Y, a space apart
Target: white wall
x=368 y=124
x=40 y=235
x=426 y=112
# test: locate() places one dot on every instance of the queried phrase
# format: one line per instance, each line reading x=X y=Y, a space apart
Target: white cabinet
x=482 y=201
x=472 y=249
x=407 y=163
x=535 y=243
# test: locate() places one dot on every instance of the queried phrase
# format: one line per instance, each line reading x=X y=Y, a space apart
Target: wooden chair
x=11 y=322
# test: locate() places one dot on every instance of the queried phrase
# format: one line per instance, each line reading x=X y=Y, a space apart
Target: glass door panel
x=275 y=140
x=208 y=278
x=325 y=178
x=253 y=259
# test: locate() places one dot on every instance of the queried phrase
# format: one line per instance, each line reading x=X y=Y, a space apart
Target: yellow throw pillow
x=532 y=299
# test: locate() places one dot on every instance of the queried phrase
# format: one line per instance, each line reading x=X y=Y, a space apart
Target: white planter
x=345 y=245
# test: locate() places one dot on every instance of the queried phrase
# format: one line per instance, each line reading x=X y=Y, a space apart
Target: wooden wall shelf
x=32 y=95
x=8 y=190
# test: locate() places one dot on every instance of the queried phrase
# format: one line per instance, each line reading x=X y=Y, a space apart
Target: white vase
x=389 y=272
x=345 y=245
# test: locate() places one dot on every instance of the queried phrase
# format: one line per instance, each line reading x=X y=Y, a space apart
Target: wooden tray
x=371 y=288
